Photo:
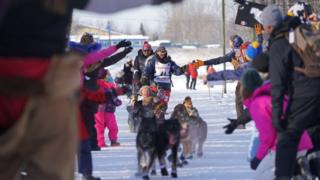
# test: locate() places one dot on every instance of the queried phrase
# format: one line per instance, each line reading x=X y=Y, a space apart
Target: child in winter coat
x=105 y=116
x=257 y=98
x=144 y=107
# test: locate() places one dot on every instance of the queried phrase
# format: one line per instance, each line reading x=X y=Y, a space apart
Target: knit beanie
x=261 y=63
x=146 y=46
x=161 y=48
x=253 y=50
x=236 y=41
x=271 y=16
x=250 y=80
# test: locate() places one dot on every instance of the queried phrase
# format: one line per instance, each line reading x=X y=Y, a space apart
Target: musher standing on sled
x=158 y=71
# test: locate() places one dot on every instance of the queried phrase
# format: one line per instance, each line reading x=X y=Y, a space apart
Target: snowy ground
x=224 y=155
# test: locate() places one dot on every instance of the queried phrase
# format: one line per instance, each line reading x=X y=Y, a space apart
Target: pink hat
x=146 y=46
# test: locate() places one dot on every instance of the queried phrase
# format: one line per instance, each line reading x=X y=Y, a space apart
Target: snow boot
x=114 y=144
x=90 y=177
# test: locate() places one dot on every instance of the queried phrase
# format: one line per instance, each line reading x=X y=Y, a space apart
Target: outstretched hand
x=198 y=63
x=229 y=128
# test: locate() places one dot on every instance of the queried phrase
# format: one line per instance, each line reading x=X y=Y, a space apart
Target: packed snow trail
x=224 y=155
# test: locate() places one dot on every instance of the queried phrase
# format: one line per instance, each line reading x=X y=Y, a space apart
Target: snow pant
x=85 y=158
x=239 y=104
x=88 y=109
x=188 y=80
x=103 y=120
x=193 y=83
x=303 y=113
x=44 y=140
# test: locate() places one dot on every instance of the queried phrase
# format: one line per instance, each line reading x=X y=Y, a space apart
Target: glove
x=254 y=163
x=123 y=43
x=127 y=50
x=279 y=124
x=258 y=28
x=198 y=63
x=231 y=126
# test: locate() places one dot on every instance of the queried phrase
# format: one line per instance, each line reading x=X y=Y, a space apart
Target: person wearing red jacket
x=194 y=74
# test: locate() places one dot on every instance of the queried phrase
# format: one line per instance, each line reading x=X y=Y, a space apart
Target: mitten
x=198 y=63
x=123 y=43
x=231 y=126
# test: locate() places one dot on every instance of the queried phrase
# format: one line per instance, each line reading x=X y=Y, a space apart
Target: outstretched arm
x=99 y=55
x=219 y=60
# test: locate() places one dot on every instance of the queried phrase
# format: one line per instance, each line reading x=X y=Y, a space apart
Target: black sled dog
x=146 y=146
x=168 y=138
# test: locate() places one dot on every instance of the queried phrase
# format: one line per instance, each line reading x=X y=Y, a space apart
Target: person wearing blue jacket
x=158 y=72
x=252 y=51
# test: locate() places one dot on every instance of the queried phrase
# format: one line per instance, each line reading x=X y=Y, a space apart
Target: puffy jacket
x=112 y=93
x=193 y=71
x=259 y=106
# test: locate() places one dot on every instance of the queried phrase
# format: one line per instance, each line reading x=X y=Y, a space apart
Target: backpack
x=307 y=45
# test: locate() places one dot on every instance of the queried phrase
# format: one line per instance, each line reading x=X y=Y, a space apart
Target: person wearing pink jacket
x=257 y=98
x=95 y=58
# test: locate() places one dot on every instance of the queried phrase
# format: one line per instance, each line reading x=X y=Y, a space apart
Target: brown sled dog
x=195 y=130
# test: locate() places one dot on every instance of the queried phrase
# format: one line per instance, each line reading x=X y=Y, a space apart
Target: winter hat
x=86 y=38
x=261 y=63
x=146 y=46
x=236 y=41
x=253 y=50
x=250 y=81
x=271 y=16
x=161 y=48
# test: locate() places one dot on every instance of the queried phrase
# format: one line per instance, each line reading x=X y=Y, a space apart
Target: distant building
x=102 y=36
x=137 y=40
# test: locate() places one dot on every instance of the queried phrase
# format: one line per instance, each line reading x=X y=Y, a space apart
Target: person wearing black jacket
x=303 y=110
x=138 y=66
